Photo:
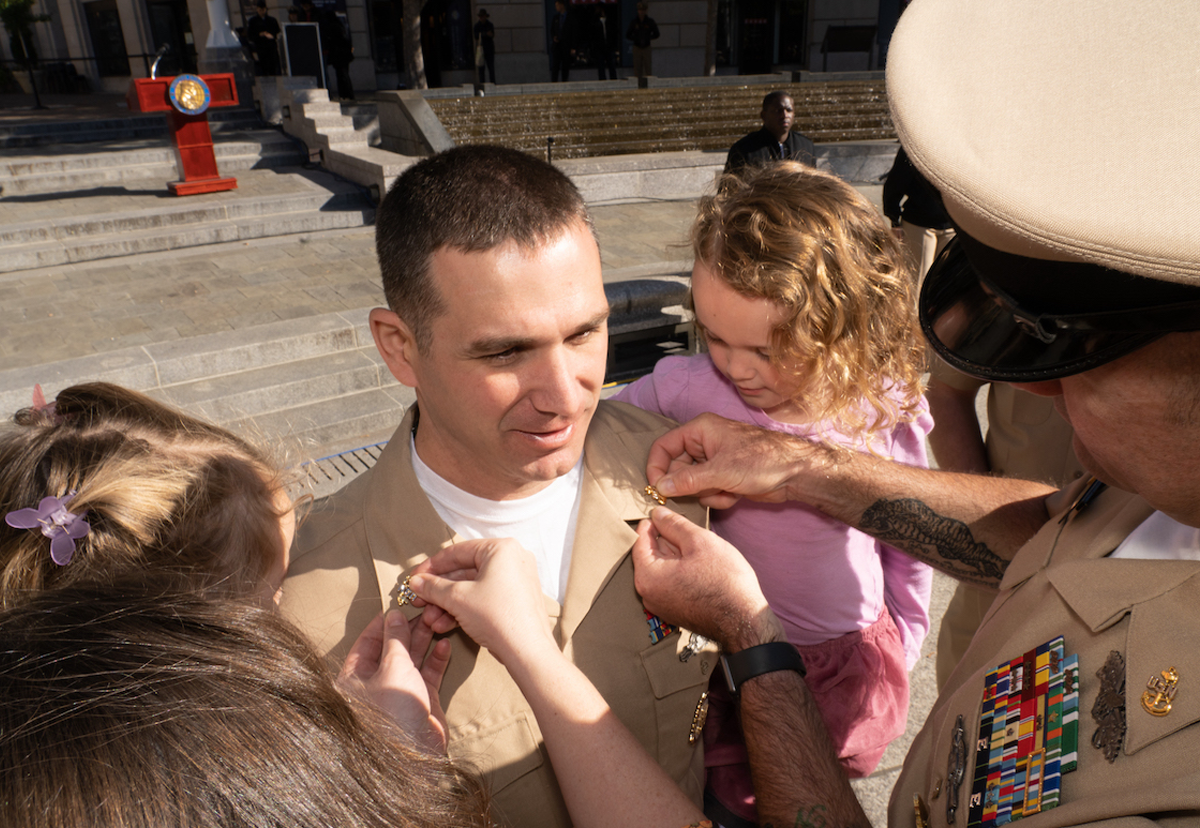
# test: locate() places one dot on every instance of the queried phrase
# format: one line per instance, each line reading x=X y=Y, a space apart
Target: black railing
x=60 y=75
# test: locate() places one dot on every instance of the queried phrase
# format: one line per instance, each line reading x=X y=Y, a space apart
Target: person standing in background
x=262 y=31
x=776 y=141
x=485 y=39
x=562 y=43
x=641 y=31
x=917 y=214
x=606 y=44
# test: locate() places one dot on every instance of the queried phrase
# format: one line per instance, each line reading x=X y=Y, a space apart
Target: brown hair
x=142 y=707
x=162 y=491
x=808 y=242
x=471 y=199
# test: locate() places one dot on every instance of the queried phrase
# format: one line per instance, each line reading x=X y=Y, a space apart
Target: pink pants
x=860 y=684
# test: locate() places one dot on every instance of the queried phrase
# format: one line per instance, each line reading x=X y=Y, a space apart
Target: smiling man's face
x=513 y=371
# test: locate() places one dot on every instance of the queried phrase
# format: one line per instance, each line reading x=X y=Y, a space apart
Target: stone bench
x=648 y=322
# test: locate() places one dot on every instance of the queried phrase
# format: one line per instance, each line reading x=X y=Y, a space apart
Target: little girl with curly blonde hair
x=804 y=299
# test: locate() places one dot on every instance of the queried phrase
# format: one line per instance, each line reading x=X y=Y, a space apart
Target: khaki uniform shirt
x=1061 y=583
x=350 y=554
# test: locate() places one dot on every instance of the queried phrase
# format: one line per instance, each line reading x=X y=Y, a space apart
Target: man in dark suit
x=775 y=141
x=262 y=31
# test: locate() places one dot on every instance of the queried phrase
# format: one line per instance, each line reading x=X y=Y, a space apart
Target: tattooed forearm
x=942 y=542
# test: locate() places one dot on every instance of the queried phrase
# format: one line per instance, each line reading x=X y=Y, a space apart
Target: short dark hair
x=771 y=97
x=144 y=706
x=471 y=199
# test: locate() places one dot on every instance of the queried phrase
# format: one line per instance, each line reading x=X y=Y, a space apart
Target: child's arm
x=490 y=588
x=664 y=391
x=908 y=583
x=907 y=587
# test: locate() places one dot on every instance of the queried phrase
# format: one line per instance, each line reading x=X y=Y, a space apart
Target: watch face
x=189 y=94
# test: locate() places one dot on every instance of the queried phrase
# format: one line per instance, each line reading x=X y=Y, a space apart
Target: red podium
x=186 y=99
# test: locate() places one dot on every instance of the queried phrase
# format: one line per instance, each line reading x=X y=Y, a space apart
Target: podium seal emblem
x=189 y=94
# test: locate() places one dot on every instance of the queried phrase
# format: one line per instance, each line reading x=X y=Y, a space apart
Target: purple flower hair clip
x=62 y=527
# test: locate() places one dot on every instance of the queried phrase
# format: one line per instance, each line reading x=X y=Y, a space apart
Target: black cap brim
x=982 y=329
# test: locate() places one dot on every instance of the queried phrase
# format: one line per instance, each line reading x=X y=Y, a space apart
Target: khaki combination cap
x=1065 y=141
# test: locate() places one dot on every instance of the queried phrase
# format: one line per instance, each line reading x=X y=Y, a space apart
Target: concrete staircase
x=64 y=168
x=602 y=123
x=344 y=136
x=308 y=390
x=116 y=128
x=318 y=388
x=62 y=203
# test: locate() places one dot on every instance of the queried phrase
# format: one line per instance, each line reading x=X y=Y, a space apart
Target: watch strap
x=771 y=657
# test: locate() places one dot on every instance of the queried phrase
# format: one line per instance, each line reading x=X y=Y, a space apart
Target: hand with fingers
x=490 y=589
x=721 y=460
x=689 y=576
x=393 y=666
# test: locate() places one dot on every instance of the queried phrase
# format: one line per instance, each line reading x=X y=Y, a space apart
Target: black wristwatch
x=742 y=666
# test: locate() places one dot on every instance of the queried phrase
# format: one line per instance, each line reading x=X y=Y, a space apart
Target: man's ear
x=396 y=344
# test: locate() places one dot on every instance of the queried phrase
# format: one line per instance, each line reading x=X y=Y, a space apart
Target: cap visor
x=973 y=329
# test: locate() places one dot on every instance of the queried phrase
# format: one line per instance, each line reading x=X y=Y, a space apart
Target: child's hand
x=382 y=668
x=490 y=588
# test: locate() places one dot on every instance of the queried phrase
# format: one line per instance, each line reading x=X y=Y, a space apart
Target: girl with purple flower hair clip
x=61 y=526
x=103 y=482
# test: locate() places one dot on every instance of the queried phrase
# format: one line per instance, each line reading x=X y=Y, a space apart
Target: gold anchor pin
x=1160 y=692
x=653 y=494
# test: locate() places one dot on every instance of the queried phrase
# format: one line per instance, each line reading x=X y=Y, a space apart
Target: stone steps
x=625 y=121
x=118 y=128
x=265 y=204
x=65 y=168
x=311 y=389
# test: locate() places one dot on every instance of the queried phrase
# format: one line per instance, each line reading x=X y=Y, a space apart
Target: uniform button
x=937 y=788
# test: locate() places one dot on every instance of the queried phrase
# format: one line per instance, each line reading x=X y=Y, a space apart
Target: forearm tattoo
x=944 y=542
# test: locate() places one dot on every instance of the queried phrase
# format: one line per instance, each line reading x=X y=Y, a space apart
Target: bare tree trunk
x=414 y=60
x=710 y=40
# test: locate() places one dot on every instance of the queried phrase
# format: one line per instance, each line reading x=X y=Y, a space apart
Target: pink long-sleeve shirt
x=821 y=577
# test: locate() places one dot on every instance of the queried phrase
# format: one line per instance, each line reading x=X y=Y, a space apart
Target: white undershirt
x=543 y=523
x=1160 y=537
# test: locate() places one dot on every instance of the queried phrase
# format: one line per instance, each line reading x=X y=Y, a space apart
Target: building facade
x=108 y=42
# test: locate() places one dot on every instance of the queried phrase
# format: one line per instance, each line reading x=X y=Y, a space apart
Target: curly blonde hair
x=811 y=244
x=165 y=494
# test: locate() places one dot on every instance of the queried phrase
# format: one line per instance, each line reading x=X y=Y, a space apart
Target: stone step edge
x=266 y=390
x=183 y=215
x=171 y=237
x=161 y=365
x=318 y=427
x=143 y=156
x=72 y=179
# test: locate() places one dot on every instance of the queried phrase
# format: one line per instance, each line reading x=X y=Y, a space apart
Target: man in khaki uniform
x=497 y=319
x=1026 y=438
x=1075 y=279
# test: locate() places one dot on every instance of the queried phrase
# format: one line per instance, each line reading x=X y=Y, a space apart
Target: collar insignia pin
x=1160 y=692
